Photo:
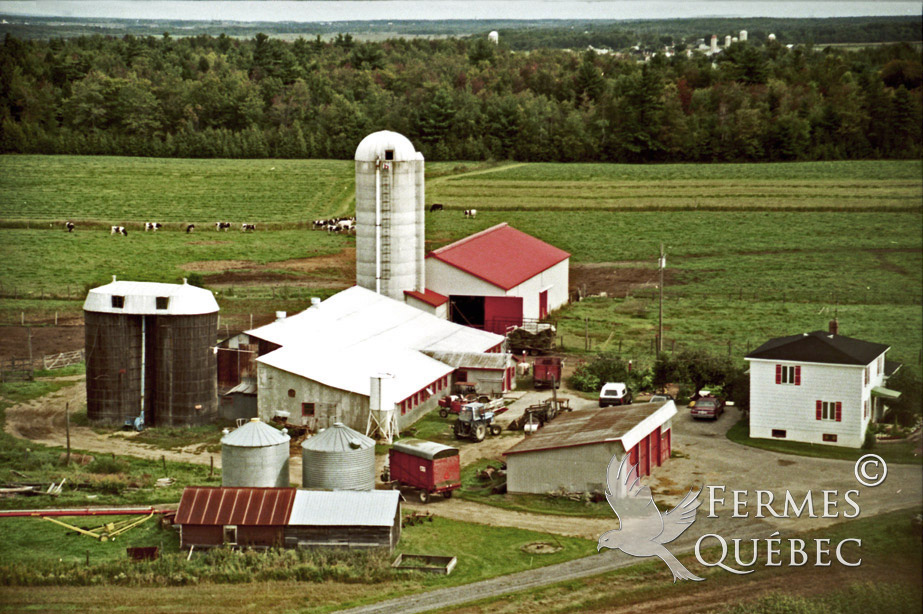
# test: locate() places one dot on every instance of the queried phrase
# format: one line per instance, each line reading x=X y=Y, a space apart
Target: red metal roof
x=428 y=296
x=501 y=255
x=204 y=505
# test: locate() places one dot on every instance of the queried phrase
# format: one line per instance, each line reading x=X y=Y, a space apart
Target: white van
x=614 y=393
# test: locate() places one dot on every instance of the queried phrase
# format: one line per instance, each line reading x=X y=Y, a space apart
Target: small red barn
x=215 y=516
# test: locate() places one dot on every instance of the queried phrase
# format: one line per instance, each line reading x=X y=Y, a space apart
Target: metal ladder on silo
x=385 y=247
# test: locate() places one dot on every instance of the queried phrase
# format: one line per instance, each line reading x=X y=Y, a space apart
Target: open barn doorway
x=467 y=310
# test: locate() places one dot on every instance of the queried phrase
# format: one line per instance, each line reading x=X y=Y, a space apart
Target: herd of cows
x=336 y=224
x=155 y=226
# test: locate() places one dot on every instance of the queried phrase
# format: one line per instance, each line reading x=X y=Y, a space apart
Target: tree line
x=456 y=99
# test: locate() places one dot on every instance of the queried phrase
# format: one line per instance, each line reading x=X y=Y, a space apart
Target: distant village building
x=572 y=453
x=819 y=387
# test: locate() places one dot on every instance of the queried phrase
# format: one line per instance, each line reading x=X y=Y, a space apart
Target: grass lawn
x=898 y=452
x=887 y=582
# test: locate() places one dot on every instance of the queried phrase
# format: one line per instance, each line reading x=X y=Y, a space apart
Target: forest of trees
x=456 y=99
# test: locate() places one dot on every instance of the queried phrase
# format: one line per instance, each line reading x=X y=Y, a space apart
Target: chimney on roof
x=834 y=327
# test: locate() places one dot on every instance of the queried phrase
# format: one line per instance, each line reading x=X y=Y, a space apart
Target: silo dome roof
x=150 y=298
x=338 y=438
x=254 y=434
x=373 y=147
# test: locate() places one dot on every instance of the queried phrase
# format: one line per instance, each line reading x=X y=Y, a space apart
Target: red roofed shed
x=499 y=277
x=254 y=517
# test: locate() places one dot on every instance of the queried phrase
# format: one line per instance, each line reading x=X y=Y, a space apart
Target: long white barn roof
x=357 y=333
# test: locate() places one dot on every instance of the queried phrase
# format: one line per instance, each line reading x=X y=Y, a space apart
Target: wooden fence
x=16 y=369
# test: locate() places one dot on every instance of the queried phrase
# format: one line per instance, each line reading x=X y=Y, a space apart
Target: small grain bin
x=255 y=455
x=338 y=458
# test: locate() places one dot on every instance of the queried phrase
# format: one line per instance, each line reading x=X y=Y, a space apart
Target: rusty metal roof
x=626 y=423
x=205 y=505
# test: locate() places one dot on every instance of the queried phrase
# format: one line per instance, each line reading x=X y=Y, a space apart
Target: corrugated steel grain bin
x=338 y=458
x=255 y=455
x=151 y=346
x=426 y=465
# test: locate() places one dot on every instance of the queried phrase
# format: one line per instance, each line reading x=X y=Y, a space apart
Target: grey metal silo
x=338 y=458
x=150 y=347
x=389 y=215
x=255 y=455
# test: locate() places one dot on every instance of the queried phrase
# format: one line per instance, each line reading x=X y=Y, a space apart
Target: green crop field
x=753 y=250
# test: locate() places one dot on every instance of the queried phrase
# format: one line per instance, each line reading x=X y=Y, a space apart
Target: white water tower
x=494 y=37
x=389 y=215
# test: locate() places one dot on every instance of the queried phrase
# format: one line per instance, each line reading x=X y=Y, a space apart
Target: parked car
x=661 y=398
x=614 y=393
x=707 y=407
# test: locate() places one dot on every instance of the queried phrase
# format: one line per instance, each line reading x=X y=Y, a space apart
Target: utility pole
x=67 y=430
x=662 y=263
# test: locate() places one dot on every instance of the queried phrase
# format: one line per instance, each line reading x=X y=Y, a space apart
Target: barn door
x=644 y=467
x=665 y=449
x=542 y=304
x=501 y=312
x=654 y=438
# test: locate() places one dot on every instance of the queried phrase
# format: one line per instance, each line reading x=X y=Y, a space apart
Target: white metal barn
x=499 y=277
x=818 y=387
x=572 y=453
x=329 y=354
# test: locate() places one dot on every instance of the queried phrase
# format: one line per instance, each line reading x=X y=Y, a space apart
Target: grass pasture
x=753 y=250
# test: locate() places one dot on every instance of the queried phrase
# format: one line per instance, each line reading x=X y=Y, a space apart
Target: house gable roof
x=820 y=346
x=501 y=255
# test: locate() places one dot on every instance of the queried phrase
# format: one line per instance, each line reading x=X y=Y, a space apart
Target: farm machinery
x=537 y=415
x=475 y=421
x=426 y=467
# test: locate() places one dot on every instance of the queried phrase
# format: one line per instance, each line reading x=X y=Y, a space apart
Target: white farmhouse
x=818 y=387
x=496 y=278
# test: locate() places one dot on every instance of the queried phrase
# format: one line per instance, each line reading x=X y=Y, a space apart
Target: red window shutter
x=797 y=376
x=820 y=409
x=839 y=411
x=778 y=374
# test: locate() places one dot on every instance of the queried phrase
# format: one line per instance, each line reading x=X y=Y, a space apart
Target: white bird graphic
x=644 y=529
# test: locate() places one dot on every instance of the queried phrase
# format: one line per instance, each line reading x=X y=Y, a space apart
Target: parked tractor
x=475 y=421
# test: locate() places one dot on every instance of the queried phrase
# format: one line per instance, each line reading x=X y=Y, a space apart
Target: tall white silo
x=389 y=215
x=743 y=35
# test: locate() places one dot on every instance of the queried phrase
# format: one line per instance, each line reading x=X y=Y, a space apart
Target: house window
x=118 y=302
x=829 y=410
x=162 y=302
x=786 y=374
x=865 y=409
x=230 y=534
x=780 y=433
x=291 y=393
x=867 y=376
x=881 y=364
x=307 y=410
x=830 y=437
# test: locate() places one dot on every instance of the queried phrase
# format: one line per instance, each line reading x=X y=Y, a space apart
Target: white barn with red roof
x=494 y=279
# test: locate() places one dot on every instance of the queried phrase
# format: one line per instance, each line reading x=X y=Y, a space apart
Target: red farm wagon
x=426 y=466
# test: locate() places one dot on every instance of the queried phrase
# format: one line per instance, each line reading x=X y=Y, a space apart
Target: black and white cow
x=222 y=226
x=70 y=226
x=472 y=213
x=118 y=230
x=190 y=228
x=155 y=226
x=245 y=227
x=435 y=207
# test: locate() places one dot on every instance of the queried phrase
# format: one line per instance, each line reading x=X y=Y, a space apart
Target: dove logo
x=643 y=529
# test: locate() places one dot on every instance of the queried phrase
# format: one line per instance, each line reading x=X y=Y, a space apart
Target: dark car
x=707 y=407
